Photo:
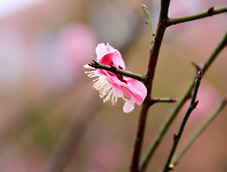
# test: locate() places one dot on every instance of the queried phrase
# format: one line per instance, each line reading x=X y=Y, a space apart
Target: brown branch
x=187 y=95
x=154 y=52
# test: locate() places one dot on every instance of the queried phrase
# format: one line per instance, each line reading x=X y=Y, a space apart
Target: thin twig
x=182 y=101
x=213 y=56
x=177 y=137
x=210 y=12
x=148 y=16
x=163 y=100
x=198 y=132
x=118 y=71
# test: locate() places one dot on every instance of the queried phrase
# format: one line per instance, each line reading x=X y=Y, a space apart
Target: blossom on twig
x=112 y=86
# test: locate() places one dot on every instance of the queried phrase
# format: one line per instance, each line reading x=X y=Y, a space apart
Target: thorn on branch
x=195 y=104
x=163 y=100
x=175 y=137
x=113 y=68
x=196 y=66
x=210 y=11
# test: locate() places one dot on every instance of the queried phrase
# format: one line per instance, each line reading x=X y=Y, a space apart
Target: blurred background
x=51 y=118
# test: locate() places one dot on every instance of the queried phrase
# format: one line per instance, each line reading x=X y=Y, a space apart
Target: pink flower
x=110 y=86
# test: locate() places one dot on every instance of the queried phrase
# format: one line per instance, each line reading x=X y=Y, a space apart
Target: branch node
x=224 y=101
x=172 y=100
x=195 y=104
x=200 y=73
x=210 y=11
x=171 y=167
x=175 y=137
x=113 y=68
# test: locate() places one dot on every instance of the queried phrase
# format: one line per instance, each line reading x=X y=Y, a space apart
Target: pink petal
x=107 y=59
x=109 y=48
x=134 y=90
x=100 y=50
x=118 y=60
x=118 y=92
x=115 y=59
x=137 y=89
x=128 y=107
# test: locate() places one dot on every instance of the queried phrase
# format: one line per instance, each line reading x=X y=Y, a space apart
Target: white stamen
x=101 y=84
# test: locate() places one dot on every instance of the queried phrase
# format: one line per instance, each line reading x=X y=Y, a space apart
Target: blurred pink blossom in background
x=179 y=8
x=208 y=97
x=63 y=56
x=77 y=43
x=108 y=155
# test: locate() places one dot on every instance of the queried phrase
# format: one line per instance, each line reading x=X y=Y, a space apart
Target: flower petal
x=100 y=50
x=107 y=59
x=137 y=89
x=118 y=60
x=114 y=59
x=128 y=107
x=118 y=92
x=109 y=48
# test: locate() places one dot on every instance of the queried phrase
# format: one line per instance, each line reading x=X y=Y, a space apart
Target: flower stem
x=210 y=12
x=186 y=96
x=116 y=70
x=197 y=133
x=191 y=107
